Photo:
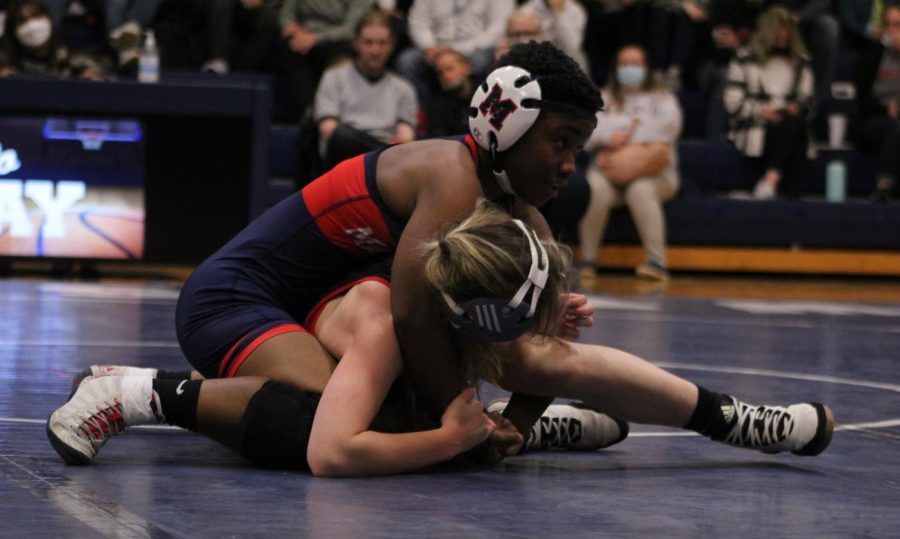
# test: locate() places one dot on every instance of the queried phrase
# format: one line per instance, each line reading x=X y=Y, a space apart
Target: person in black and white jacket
x=769 y=97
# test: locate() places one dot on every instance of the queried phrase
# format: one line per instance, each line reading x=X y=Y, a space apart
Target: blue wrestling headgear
x=502 y=319
x=504 y=108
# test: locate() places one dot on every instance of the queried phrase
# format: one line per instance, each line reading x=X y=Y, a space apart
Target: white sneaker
x=803 y=429
x=573 y=426
x=100 y=409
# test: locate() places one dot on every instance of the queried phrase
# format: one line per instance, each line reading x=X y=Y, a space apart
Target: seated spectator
x=360 y=105
x=523 y=25
x=242 y=35
x=448 y=109
x=671 y=25
x=769 y=98
x=634 y=162
x=563 y=23
x=31 y=46
x=317 y=35
x=527 y=24
x=473 y=28
x=878 y=104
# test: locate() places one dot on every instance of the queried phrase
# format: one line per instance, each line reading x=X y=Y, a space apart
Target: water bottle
x=836 y=181
x=148 y=68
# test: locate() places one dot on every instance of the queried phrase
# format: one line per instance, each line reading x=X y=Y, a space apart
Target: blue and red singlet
x=270 y=277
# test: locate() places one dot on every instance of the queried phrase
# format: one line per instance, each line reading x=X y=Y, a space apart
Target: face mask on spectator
x=886 y=40
x=34 y=32
x=631 y=76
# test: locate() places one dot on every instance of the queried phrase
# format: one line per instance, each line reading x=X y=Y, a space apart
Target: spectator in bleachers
x=31 y=46
x=769 y=98
x=448 y=110
x=242 y=35
x=671 y=29
x=878 y=103
x=524 y=25
x=360 y=105
x=563 y=23
x=317 y=34
x=528 y=24
x=472 y=27
x=634 y=162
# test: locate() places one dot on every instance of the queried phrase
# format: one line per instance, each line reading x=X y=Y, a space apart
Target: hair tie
x=444 y=246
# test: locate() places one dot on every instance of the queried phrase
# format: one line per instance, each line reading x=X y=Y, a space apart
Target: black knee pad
x=277 y=424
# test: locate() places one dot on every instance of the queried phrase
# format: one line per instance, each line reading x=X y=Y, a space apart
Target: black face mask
x=781 y=51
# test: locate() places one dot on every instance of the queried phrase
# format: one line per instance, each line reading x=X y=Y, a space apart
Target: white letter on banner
x=12 y=210
x=67 y=194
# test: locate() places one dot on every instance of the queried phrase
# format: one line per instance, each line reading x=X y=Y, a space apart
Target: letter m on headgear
x=495 y=108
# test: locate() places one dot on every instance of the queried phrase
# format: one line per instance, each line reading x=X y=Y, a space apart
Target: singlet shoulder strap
x=468 y=142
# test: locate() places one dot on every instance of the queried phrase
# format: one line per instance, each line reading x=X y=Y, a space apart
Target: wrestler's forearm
x=430 y=363
x=375 y=453
x=524 y=410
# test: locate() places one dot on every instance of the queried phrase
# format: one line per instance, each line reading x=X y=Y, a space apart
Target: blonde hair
x=767 y=24
x=488 y=255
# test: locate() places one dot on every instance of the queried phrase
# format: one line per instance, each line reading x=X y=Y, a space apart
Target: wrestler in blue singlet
x=267 y=279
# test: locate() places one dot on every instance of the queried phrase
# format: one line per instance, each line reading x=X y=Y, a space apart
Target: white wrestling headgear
x=504 y=108
x=503 y=319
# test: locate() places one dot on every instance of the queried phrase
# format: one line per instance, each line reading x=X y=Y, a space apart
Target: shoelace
x=554 y=432
x=758 y=426
x=104 y=423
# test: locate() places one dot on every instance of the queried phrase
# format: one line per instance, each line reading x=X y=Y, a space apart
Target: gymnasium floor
x=828 y=340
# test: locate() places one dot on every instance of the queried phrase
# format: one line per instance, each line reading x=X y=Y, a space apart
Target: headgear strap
x=502 y=319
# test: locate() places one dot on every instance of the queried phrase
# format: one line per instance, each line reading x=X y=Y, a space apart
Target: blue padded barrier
x=283 y=144
x=779 y=223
